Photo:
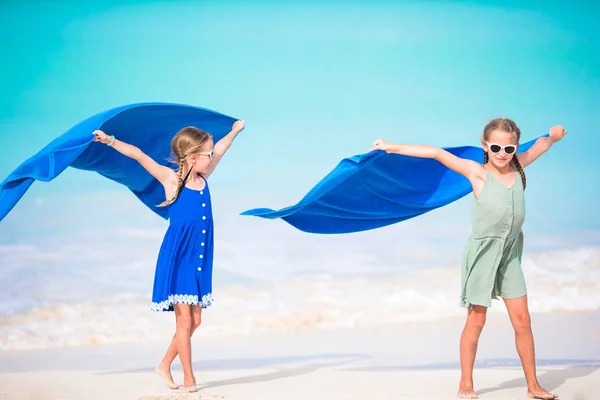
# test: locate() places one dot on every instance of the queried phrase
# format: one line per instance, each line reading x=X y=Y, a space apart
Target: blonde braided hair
x=521 y=171
x=186 y=142
x=508 y=126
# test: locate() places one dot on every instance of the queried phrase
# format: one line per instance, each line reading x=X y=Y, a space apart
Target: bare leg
x=183 y=316
x=521 y=322
x=468 y=350
x=164 y=368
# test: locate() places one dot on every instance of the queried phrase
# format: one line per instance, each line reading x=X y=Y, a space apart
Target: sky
x=315 y=83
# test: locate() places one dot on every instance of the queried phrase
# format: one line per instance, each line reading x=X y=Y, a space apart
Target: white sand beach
x=402 y=361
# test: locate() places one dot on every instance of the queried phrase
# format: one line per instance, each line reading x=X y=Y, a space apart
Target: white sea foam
x=557 y=281
x=67 y=284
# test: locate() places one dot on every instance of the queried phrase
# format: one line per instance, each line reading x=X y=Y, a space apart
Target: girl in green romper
x=491 y=264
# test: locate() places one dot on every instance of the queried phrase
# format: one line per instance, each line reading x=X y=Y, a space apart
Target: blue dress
x=185 y=261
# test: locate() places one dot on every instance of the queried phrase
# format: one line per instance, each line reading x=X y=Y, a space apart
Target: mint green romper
x=491 y=264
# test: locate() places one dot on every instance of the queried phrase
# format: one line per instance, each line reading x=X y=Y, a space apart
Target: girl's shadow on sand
x=549 y=380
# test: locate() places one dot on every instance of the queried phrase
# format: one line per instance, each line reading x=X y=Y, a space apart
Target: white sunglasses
x=497 y=148
x=210 y=154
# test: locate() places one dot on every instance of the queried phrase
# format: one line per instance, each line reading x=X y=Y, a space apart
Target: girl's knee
x=522 y=322
x=477 y=322
x=184 y=322
x=196 y=323
x=476 y=318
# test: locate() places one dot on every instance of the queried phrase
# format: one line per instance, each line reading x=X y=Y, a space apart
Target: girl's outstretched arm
x=541 y=146
x=163 y=174
x=224 y=144
x=470 y=169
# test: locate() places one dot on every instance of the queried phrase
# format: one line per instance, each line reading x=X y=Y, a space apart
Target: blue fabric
x=376 y=189
x=149 y=126
x=185 y=261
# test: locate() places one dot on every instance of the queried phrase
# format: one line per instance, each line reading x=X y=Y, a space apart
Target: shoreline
x=387 y=361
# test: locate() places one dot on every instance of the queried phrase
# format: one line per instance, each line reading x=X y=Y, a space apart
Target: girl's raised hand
x=101 y=137
x=380 y=144
x=238 y=126
x=557 y=133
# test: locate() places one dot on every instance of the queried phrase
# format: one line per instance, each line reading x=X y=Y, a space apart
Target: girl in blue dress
x=183 y=277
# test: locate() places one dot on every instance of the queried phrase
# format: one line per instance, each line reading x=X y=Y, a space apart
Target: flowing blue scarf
x=376 y=189
x=149 y=126
x=362 y=192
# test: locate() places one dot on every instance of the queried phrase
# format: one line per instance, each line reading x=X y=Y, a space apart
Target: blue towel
x=149 y=126
x=376 y=189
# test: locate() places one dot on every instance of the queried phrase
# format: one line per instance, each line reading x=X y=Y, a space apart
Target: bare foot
x=539 y=393
x=467 y=393
x=189 y=389
x=165 y=373
x=189 y=385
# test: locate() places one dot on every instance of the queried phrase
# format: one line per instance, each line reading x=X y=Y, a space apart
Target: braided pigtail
x=486 y=157
x=515 y=161
x=180 y=184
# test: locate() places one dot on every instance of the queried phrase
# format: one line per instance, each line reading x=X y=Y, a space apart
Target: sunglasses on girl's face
x=210 y=154
x=496 y=148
